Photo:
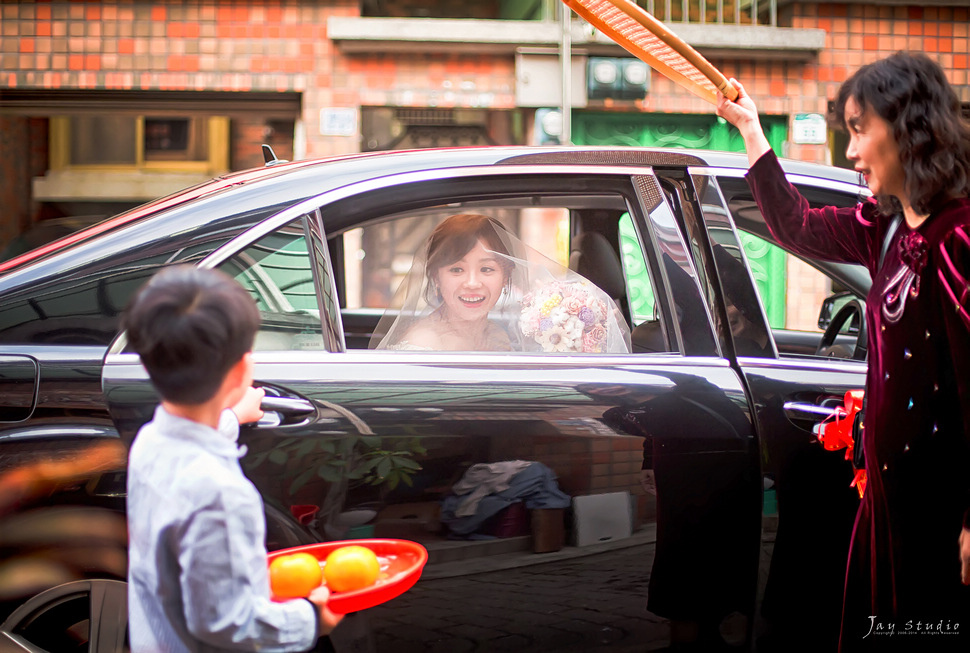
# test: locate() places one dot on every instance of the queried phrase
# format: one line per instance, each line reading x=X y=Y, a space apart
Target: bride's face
x=471 y=286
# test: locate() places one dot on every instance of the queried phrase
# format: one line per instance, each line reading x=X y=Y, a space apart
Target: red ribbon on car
x=837 y=434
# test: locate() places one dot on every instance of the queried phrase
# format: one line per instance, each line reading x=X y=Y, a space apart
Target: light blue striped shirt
x=197 y=575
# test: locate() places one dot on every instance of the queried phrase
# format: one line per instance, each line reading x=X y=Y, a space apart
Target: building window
x=175 y=139
x=102 y=140
x=121 y=142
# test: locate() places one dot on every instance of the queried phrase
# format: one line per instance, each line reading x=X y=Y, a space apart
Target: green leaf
x=301 y=480
x=327 y=446
x=415 y=446
x=406 y=479
x=305 y=448
x=371 y=441
x=363 y=467
x=392 y=480
x=407 y=463
x=384 y=467
x=278 y=456
x=255 y=461
x=328 y=473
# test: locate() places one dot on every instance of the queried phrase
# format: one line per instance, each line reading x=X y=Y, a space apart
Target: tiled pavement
x=574 y=600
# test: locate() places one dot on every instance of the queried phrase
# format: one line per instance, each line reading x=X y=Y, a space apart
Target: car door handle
x=288 y=406
x=796 y=410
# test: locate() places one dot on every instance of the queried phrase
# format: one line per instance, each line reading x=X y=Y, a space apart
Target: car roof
x=313 y=176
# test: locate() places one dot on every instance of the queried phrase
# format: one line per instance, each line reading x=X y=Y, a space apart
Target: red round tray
x=401 y=565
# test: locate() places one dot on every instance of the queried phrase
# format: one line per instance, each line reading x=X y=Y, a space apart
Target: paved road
x=588 y=604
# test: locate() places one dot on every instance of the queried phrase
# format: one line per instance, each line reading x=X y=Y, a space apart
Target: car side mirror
x=831 y=305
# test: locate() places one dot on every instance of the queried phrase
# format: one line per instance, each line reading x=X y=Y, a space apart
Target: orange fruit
x=351 y=568
x=295 y=575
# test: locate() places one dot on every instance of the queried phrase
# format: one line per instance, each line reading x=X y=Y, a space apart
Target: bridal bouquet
x=565 y=317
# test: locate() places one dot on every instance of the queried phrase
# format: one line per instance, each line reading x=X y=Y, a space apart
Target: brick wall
x=860 y=34
x=584 y=460
x=23 y=155
x=435 y=80
x=241 y=45
x=807 y=287
x=248 y=135
x=232 y=45
x=14 y=178
x=433 y=9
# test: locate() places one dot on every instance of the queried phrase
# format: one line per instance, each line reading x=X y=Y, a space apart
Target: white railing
x=719 y=12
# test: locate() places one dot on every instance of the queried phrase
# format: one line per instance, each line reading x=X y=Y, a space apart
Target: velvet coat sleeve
x=953 y=275
x=846 y=234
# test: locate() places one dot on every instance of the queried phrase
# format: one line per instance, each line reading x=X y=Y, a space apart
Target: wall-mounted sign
x=809 y=129
x=338 y=121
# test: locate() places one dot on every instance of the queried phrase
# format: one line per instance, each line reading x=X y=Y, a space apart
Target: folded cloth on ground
x=488 y=488
x=483 y=479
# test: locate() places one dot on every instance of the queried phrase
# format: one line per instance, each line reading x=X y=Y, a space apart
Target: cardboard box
x=601 y=518
x=548 y=530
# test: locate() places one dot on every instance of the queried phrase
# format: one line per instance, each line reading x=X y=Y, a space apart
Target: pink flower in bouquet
x=565 y=317
x=529 y=325
x=579 y=294
x=594 y=340
x=572 y=305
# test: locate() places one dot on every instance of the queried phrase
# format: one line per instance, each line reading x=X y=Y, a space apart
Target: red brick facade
x=283 y=45
x=859 y=34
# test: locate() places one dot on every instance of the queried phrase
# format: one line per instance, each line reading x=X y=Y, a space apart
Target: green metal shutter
x=692 y=131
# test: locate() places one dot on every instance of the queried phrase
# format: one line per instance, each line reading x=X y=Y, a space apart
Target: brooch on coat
x=913 y=250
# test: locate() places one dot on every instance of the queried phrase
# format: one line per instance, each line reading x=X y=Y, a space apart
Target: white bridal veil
x=542 y=305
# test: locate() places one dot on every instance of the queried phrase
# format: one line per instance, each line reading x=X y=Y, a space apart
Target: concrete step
x=444 y=550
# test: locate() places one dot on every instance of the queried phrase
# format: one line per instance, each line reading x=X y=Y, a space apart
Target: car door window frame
x=455 y=183
x=324 y=282
x=667 y=237
x=718 y=229
x=815 y=189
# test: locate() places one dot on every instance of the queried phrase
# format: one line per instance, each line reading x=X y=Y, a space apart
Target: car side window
x=377 y=261
x=792 y=290
x=378 y=256
x=277 y=271
x=643 y=306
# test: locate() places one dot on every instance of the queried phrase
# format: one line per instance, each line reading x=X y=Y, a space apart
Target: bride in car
x=477 y=287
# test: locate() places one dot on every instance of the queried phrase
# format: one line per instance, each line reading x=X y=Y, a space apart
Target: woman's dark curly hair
x=911 y=93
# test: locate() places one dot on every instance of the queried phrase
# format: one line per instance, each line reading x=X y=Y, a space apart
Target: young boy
x=197 y=576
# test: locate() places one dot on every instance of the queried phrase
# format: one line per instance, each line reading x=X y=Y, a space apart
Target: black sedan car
x=699 y=503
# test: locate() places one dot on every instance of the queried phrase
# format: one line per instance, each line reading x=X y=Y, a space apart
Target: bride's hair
x=456 y=236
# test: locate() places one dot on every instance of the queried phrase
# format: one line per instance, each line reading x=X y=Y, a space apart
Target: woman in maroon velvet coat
x=909 y=561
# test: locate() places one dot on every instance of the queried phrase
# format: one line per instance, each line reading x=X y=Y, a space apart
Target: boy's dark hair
x=190 y=326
